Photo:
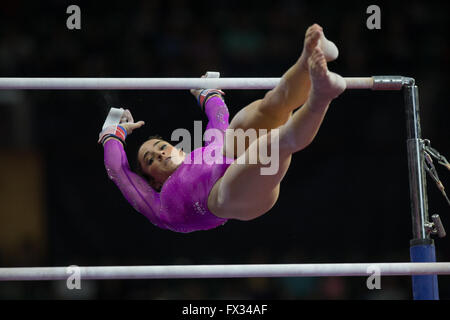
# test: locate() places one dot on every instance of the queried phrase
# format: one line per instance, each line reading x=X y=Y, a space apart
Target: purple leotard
x=182 y=204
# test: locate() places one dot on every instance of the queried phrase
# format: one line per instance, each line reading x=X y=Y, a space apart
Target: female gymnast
x=183 y=196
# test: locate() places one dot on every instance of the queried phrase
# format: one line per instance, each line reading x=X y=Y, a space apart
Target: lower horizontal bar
x=224 y=271
x=174 y=83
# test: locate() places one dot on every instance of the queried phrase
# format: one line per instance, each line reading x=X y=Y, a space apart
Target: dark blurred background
x=344 y=199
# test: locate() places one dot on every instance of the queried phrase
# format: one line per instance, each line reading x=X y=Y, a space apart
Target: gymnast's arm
x=133 y=187
x=216 y=110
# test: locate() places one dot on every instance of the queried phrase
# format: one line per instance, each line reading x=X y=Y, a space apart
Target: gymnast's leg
x=243 y=193
x=292 y=91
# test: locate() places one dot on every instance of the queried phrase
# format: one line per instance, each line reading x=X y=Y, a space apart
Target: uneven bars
x=225 y=271
x=374 y=83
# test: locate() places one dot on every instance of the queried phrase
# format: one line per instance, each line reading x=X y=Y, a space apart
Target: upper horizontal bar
x=375 y=83
x=225 y=271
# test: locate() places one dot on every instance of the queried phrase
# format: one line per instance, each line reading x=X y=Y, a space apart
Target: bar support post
x=422 y=247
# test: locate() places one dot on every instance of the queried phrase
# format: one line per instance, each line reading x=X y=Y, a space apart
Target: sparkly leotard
x=182 y=204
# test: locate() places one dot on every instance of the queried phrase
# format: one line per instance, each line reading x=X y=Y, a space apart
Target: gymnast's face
x=159 y=159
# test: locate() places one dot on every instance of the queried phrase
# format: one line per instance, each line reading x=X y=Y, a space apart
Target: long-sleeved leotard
x=182 y=204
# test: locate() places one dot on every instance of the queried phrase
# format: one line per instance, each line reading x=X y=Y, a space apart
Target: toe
x=312 y=29
x=313 y=40
x=318 y=62
x=315 y=26
x=317 y=52
x=316 y=34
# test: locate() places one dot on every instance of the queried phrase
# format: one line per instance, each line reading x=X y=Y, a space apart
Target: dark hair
x=140 y=172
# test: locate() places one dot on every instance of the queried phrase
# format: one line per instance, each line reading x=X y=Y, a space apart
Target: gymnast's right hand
x=120 y=130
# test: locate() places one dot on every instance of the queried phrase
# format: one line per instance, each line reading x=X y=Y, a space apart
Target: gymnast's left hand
x=127 y=122
x=130 y=126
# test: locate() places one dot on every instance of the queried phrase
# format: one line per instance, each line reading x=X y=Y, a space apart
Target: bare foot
x=315 y=37
x=326 y=85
